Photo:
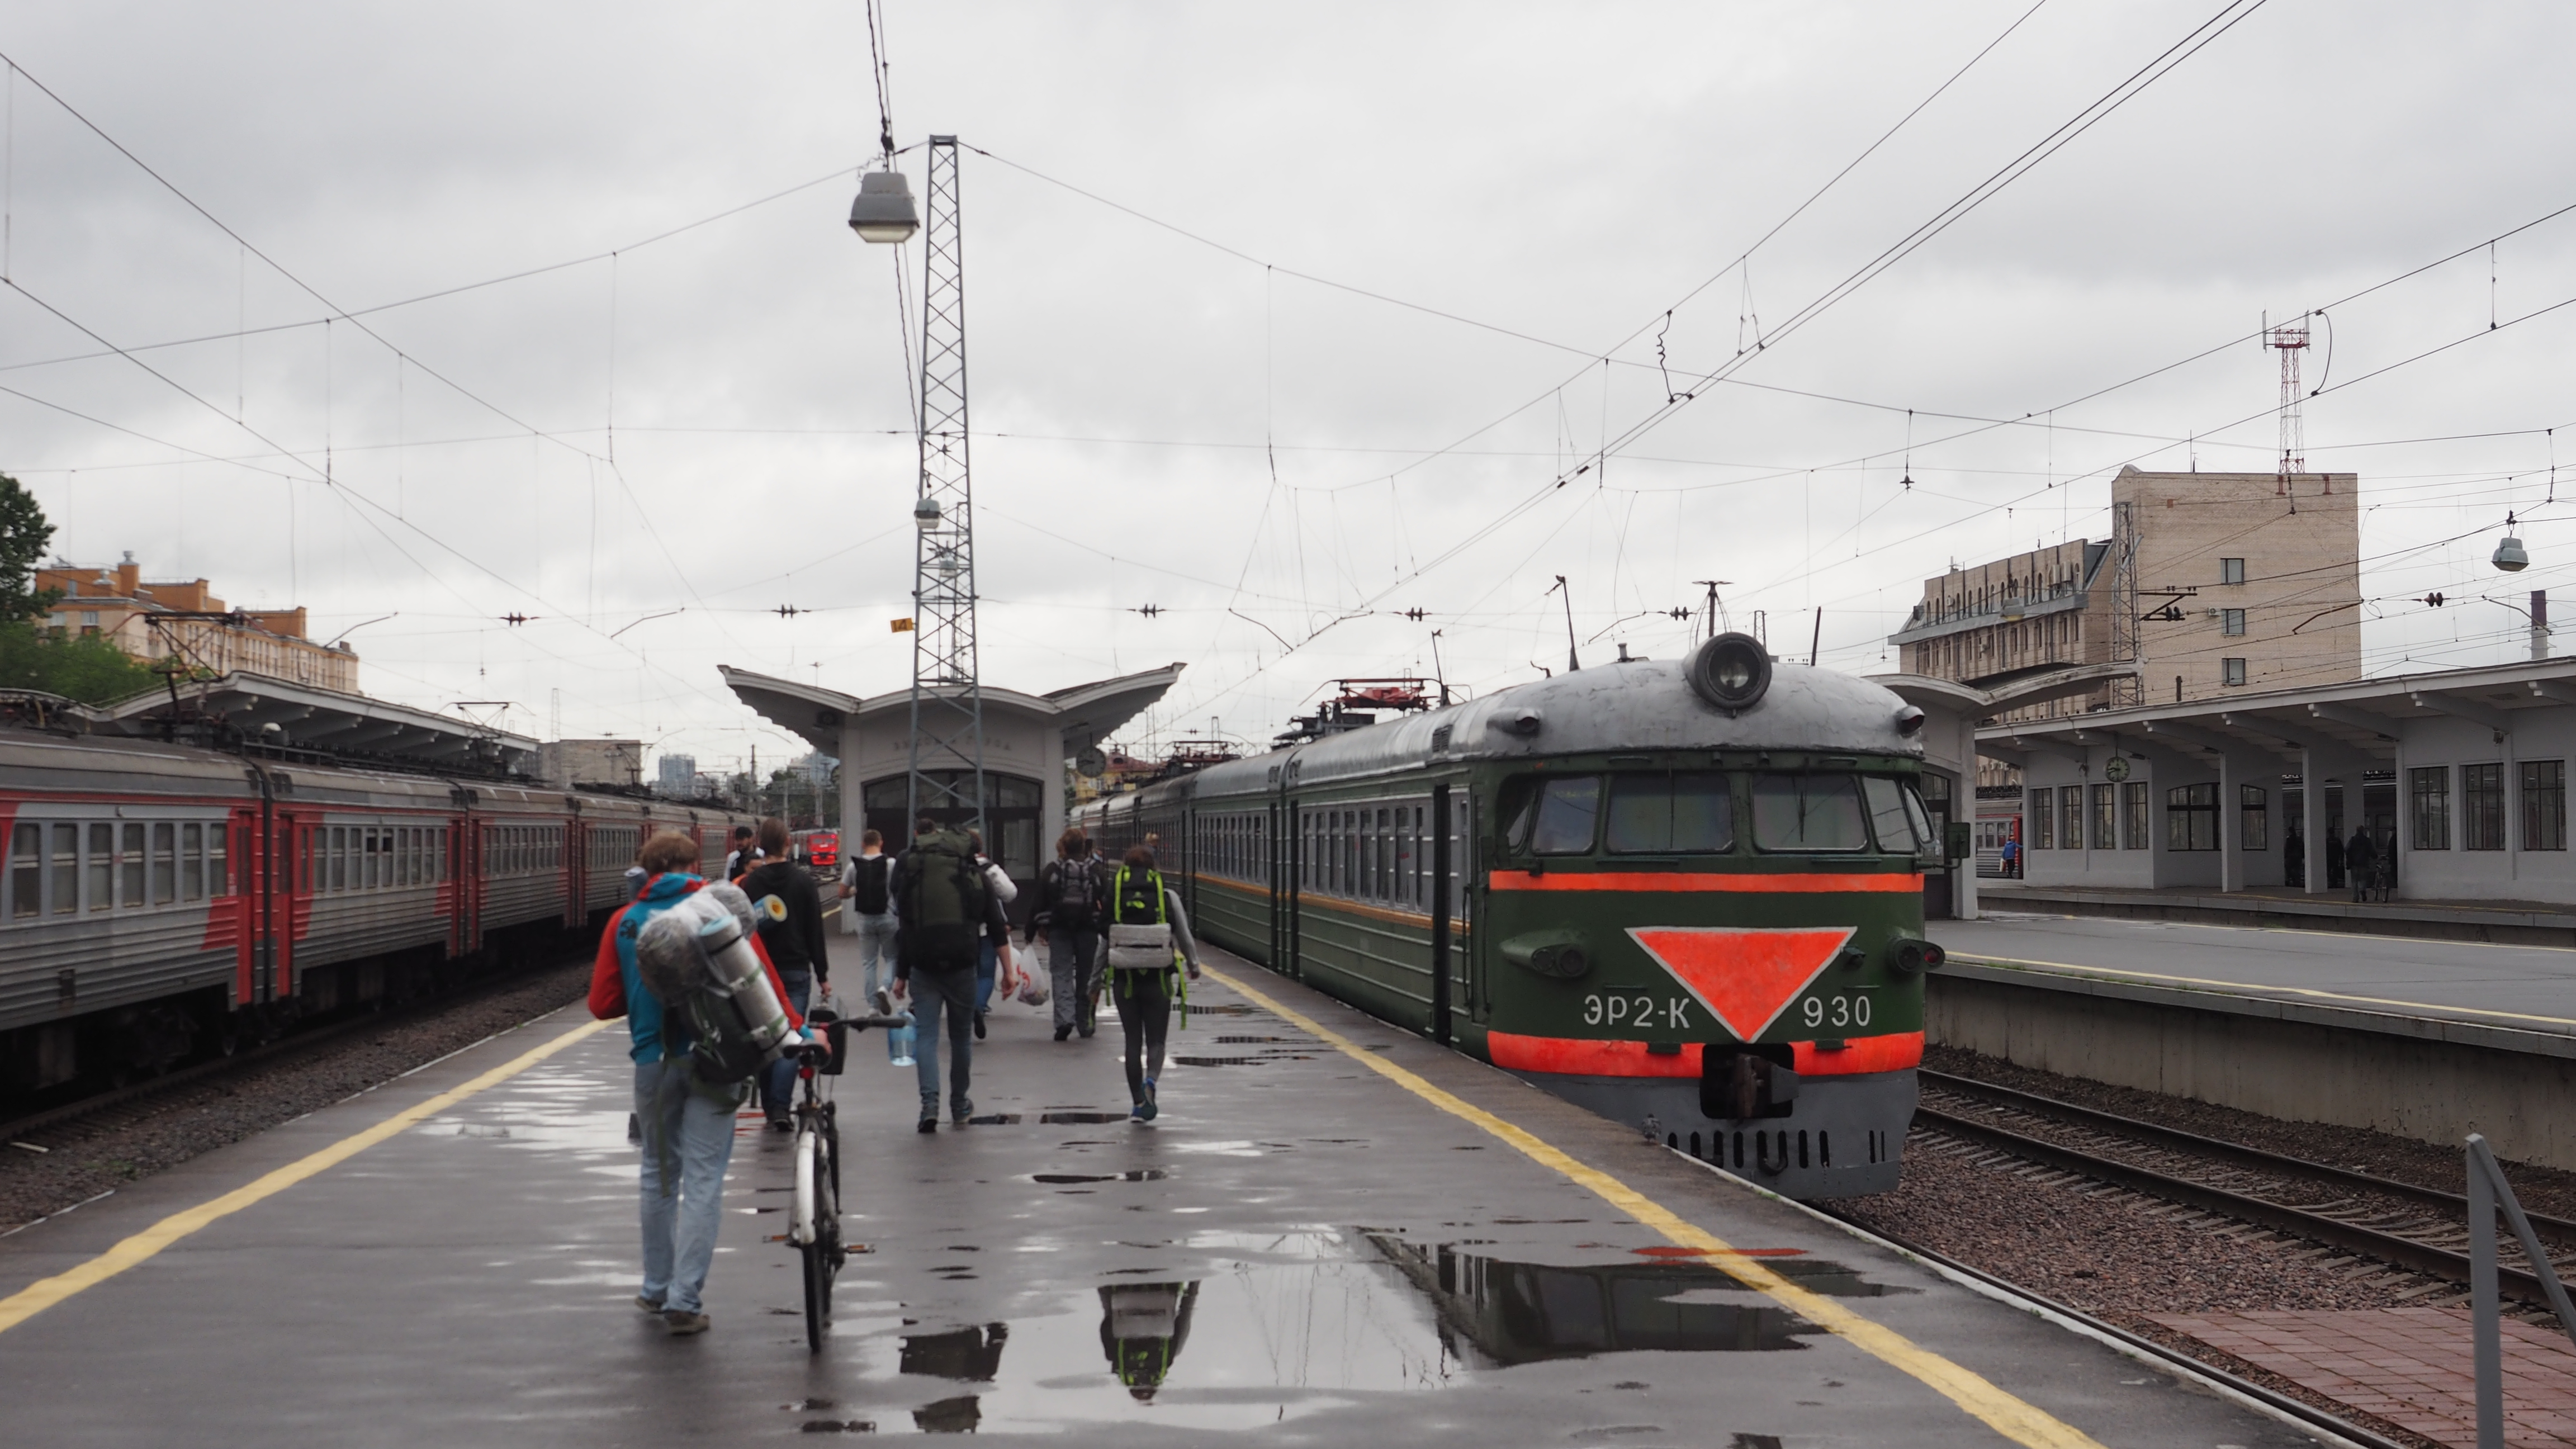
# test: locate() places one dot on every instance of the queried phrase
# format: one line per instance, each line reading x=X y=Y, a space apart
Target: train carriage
x=1686 y=895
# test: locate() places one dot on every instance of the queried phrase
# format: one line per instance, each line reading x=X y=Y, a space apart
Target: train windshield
x=1808 y=813
x=1670 y=815
x=1897 y=814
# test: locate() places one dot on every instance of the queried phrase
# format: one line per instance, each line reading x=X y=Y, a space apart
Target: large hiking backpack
x=1140 y=934
x=697 y=960
x=868 y=889
x=1077 y=893
x=944 y=897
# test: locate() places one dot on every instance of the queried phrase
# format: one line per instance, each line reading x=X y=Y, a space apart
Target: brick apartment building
x=117 y=603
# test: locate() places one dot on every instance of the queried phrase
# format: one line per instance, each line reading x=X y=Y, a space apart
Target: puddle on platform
x=1079 y=1118
x=1307 y=1319
x=1140 y=1174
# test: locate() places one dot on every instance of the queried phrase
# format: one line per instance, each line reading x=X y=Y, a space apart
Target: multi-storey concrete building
x=119 y=605
x=591 y=762
x=2211 y=582
x=678 y=777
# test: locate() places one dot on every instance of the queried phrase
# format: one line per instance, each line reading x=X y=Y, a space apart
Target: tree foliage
x=23 y=536
x=88 y=669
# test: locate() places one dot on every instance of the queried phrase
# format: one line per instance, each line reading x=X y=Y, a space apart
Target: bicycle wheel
x=818 y=1294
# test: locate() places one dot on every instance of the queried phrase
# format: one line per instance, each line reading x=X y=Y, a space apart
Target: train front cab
x=1724 y=952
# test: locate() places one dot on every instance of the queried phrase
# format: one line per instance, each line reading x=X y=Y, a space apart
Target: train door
x=469 y=883
x=294 y=908
x=573 y=872
x=1292 y=946
x=249 y=892
x=1468 y=902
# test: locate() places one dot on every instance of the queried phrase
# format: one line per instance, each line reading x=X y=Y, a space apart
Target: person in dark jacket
x=795 y=947
x=2294 y=859
x=1073 y=904
x=2360 y=863
x=935 y=967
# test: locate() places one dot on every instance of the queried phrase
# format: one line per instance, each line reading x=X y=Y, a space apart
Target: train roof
x=1634 y=704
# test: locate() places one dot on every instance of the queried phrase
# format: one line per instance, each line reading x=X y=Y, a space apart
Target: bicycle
x=814 y=1227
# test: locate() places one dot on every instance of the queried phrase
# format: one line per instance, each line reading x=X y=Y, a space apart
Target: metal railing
x=2488 y=1191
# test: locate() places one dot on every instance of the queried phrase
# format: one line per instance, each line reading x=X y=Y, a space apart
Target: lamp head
x=883 y=211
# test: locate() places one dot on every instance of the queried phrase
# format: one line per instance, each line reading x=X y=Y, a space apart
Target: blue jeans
x=987 y=966
x=951 y=990
x=876 y=953
x=688 y=1140
x=778 y=1079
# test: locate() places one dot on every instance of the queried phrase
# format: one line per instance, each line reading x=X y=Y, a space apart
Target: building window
x=2231 y=571
x=2070 y=804
x=2106 y=825
x=2255 y=822
x=2191 y=817
x=2231 y=671
x=2231 y=622
x=2040 y=815
x=2482 y=807
x=2430 y=792
x=2136 y=827
x=2544 y=804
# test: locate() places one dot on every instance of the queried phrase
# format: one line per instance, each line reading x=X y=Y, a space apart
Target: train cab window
x=101 y=863
x=192 y=862
x=131 y=866
x=66 y=846
x=1808 y=813
x=1671 y=815
x=1567 y=812
x=1896 y=813
x=165 y=863
x=26 y=871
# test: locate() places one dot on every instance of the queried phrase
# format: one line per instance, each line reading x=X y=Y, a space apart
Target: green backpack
x=942 y=901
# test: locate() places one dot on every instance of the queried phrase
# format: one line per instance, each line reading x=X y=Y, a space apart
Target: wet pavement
x=1299 y=1251
x=2532 y=988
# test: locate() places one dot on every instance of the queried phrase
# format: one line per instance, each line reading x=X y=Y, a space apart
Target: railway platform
x=1336 y=1233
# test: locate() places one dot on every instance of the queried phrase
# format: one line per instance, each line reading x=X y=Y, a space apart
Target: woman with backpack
x=1149 y=939
x=1073 y=902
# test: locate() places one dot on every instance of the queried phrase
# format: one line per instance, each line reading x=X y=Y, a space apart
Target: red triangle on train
x=1745 y=977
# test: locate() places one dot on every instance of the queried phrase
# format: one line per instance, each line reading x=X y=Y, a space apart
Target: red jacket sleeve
x=787 y=1004
x=608 y=973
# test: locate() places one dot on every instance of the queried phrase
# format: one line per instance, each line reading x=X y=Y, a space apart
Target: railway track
x=2423 y=1230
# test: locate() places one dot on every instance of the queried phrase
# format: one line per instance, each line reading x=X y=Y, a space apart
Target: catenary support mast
x=946 y=766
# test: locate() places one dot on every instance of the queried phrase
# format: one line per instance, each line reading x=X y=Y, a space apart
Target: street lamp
x=883 y=211
x=925 y=513
x=2509 y=556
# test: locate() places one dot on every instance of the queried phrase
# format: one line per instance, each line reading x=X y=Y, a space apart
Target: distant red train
x=159 y=898
x=820 y=849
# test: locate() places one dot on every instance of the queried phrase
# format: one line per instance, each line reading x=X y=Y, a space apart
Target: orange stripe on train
x=1577 y=1057
x=1727 y=881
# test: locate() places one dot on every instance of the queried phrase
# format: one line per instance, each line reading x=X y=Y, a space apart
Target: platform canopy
x=300 y=716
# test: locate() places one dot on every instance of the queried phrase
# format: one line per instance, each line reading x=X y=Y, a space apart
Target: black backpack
x=1077 y=890
x=868 y=889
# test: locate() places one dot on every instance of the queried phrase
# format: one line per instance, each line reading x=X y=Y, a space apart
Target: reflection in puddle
x=1514 y=1313
x=1139 y=1174
x=1143 y=1327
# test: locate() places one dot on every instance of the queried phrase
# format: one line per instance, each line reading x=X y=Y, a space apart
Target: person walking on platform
x=739 y=859
x=988 y=959
x=1149 y=935
x=796 y=949
x=1073 y=901
x=2361 y=863
x=867 y=911
x=686 y=1124
x=945 y=909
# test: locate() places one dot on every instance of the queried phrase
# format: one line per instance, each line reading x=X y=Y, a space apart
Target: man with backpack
x=1149 y=936
x=945 y=909
x=867 y=896
x=1073 y=903
x=686 y=1122
x=794 y=945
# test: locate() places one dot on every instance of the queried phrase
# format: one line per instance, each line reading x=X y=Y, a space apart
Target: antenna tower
x=2290 y=339
x=947 y=749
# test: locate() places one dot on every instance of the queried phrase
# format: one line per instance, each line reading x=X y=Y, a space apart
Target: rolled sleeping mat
x=1145 y=947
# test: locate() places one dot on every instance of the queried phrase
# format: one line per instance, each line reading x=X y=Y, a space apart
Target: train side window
x=101 y=863
x=216 y=862
x=1568 y=811
x=66 y=869
x=335 y=858
x=165 y=863
x=1808 y=813
x=192 y=862
x=133 y=865
x=26 y=871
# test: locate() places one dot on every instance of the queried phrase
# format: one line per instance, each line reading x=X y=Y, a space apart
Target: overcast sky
x=1178 y=421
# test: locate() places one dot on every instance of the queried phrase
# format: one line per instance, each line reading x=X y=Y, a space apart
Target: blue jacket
x=645 y=1028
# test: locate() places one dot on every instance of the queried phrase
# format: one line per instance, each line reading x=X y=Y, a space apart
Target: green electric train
x=1686 y=895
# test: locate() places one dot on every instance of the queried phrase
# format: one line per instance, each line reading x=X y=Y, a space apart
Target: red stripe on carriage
x=1801 y=884
x=1578 y=1057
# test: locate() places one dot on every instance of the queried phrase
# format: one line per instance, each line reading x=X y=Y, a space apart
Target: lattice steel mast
x=947 y=692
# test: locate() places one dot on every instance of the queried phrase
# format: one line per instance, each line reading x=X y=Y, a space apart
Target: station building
x=2462 y=773
x=1027 y=739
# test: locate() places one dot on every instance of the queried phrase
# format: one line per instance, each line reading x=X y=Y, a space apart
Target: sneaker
x=1062 y=1032
x=1137 y=1113
x=1086 y=1033
x=778 y=1122
x=928 y=1124
x=649 y=1305
x=979 y=1026
x=681 y=1324
x=634 y=1128
x=1149 y=1108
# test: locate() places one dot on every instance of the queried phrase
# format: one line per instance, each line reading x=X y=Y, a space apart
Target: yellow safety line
x=36 y=1297
x=2311 y=991
x=2016 y=1420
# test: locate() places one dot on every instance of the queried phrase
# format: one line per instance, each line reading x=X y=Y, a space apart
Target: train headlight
x=1912 y=958
x=1731 y=671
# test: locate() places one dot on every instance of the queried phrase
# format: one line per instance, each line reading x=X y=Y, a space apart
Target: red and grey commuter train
x=159 y=898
